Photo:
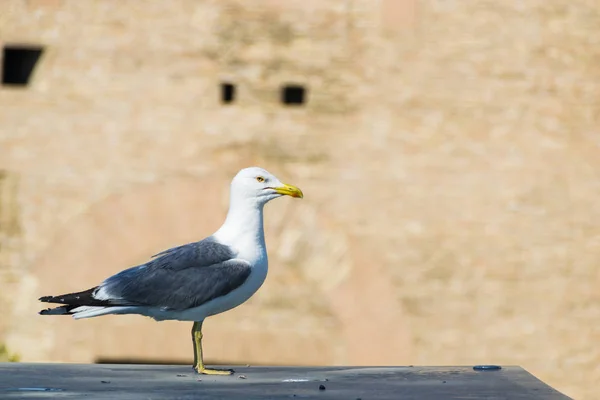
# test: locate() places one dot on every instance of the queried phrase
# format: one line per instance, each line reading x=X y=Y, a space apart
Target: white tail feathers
x=95 y=311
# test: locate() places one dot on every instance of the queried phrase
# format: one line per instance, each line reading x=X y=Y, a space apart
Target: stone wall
x=448 y=151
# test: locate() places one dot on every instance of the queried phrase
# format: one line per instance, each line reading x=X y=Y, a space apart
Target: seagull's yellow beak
x=289 y=190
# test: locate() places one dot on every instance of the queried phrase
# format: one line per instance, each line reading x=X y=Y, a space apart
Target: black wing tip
x=79 y=298
x=63 y=310
x=53 y=299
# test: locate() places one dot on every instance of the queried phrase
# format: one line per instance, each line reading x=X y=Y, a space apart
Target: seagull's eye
x=260 y=179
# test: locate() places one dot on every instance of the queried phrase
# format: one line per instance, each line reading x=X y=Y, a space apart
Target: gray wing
x=179 y=278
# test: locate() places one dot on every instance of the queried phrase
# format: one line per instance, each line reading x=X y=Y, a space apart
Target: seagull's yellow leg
x=198 y=361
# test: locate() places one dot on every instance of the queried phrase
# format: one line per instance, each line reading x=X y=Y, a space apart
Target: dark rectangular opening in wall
x=18 y=63
x=227 y=93
x=293 y=95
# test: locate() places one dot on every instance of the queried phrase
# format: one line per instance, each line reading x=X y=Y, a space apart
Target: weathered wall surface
x=448 y=152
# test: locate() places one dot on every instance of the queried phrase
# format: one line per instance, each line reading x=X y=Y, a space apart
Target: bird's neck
x=243 y=227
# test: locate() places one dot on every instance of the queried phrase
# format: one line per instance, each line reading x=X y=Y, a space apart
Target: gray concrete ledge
x=129 y=382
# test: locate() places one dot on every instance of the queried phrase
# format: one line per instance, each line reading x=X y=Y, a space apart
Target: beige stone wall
x=448 y=152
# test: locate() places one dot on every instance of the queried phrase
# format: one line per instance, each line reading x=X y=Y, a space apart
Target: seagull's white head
x=259 y=186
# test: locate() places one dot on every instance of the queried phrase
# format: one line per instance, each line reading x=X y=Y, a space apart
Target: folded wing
x=177 y=279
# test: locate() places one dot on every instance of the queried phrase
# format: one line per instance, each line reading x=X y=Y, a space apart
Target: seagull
x=196 y=280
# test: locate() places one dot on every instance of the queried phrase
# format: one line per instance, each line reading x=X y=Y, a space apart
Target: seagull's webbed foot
x=198 y=359
x=210 y=371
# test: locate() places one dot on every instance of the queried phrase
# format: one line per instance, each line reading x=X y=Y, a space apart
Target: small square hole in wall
x=293 y=95
x=18 y=63
x=227 y=93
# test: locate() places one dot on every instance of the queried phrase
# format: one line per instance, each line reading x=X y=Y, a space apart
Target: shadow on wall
x=178 y=361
